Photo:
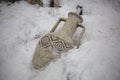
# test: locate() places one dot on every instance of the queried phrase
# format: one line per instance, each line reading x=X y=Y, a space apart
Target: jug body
x=56 y=41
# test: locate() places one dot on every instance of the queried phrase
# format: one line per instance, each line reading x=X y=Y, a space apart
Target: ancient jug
x=57 y=41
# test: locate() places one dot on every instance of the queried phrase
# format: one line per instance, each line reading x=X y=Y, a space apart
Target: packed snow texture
x=98 y=58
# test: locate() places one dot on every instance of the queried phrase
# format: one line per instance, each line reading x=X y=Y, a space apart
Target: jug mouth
x=75 y=14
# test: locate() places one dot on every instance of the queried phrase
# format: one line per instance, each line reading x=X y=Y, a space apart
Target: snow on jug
x=57 y=41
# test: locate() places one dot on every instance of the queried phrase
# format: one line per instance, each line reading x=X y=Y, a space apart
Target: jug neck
x=70 y=25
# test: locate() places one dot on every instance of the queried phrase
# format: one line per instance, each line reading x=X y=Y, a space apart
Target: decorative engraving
x=55 y=42
x=45 y=41
x=59 y=46
x=53 y=38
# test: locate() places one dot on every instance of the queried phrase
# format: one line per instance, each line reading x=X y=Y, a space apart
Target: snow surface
x=98 y=58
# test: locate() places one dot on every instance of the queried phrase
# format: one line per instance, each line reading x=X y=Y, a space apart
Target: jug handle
x=81 y=34
x=57 y=23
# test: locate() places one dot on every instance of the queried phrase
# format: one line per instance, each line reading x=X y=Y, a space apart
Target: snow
x=97 y=58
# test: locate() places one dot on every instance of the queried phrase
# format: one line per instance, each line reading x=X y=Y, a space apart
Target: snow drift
x=97 y=58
